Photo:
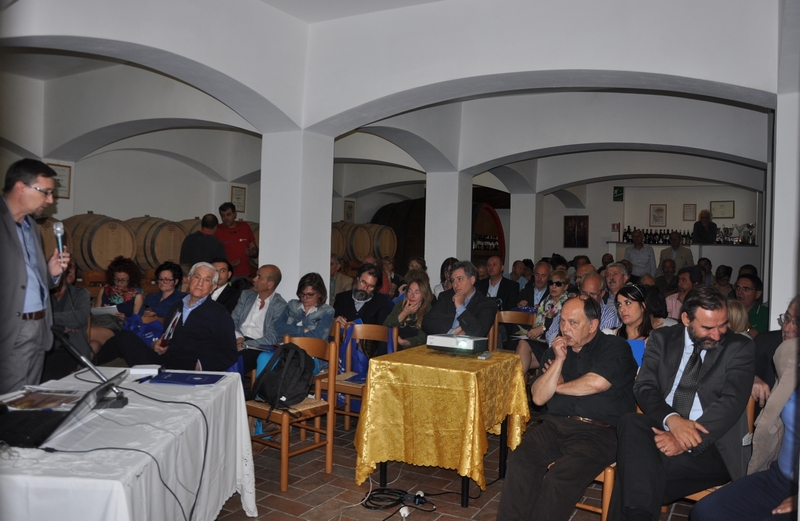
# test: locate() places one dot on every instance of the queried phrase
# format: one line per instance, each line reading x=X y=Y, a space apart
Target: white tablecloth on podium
x=123 y=485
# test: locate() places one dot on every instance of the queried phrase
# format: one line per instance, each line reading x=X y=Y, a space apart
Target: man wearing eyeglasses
x=766 y=345
x=26 y=275
x=257 y=313
x=748 y=290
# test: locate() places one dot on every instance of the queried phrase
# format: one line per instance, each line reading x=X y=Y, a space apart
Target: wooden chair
x=607 y=479
x=93 y=281
x=353 y=389
x=310 y=408
x=508 y=317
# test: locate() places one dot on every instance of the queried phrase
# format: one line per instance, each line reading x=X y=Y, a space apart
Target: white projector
x=458 y=343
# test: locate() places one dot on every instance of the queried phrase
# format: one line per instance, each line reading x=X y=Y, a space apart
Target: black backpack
x=286 y=379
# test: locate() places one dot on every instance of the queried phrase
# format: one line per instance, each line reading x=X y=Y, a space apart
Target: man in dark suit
x=766 y=344
x=198 y=332
x=363 y=301
x=26 y=275
x=461 y=310
x=693 y=388
x=227 y=292
x=498 y=287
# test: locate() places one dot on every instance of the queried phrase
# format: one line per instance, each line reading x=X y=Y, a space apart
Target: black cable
x=51 y=449
x=205 y=444
x=386 y=498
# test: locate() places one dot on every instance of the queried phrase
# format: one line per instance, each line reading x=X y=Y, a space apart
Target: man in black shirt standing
x=587 y=386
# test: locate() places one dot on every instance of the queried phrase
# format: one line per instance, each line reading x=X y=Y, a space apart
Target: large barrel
x=49 y=243
x=338 y=243
x=384 y=240
x=191 y=225
x=407 y=219
x=357 y=241
x=97 y=239
x=157 y=240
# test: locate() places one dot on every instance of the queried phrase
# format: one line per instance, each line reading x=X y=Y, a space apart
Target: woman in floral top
x=123 y=278
x=530 y=350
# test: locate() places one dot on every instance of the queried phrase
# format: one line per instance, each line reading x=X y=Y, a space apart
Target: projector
x=458 y=343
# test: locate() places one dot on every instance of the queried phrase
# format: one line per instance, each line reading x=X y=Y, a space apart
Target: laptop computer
x=29 y=429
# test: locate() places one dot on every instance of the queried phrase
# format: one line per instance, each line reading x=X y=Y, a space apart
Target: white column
x=786 y=217
x=448 y=218
x=296 y=187
x=522 y=232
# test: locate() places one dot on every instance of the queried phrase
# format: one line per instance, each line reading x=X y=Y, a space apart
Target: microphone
x=58 y=230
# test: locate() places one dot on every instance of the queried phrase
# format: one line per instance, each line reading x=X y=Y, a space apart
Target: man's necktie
x=687 y=387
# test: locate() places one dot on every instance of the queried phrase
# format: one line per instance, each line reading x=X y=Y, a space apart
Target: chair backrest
x=315 y=347
x=508 y=317
x=369 y=332
x=93 y=277
x=336 y=333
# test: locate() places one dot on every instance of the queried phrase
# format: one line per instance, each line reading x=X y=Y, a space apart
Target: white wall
x=639 y=199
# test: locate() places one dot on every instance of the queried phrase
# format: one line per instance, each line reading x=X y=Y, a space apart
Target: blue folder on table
x=168 y=377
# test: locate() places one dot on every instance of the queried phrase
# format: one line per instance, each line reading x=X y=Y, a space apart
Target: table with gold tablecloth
x=432 y=408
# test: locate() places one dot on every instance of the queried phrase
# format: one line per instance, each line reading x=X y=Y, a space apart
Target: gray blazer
x=13 y=278
x=247 y=299
x=726 y=379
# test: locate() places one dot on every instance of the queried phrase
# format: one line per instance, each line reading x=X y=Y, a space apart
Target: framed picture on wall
x=63 y=180
x=689 y=212
x=239 y=198
x=722 y=210
x=576 y=231
x=349 y=211
x=658 y=215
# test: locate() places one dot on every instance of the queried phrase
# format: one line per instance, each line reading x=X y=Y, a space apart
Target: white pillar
x=296 y=188
x=522 y=231
x=786 y=217
x=448 y=218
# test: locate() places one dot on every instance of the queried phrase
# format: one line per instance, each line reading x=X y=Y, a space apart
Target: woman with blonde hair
x=737 y=317
x=408 y=313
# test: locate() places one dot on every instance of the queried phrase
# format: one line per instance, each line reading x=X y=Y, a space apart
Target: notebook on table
x=36 y=427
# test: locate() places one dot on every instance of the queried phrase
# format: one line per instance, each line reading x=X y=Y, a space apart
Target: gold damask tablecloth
x=426 y=407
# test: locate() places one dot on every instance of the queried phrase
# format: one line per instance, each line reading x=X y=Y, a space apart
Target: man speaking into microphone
x=26 y=276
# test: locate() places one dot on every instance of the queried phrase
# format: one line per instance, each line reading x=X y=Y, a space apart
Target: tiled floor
x=314 y=495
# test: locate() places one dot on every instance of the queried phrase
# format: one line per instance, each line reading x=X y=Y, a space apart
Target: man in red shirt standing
x=238 y=239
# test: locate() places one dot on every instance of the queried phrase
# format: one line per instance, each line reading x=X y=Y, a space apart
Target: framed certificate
x=689 y=212
x=658 y=215
x=63 y=180
x=239 y=198
x=722 y=209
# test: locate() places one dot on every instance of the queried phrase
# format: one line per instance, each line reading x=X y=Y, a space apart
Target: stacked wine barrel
x=353 y=242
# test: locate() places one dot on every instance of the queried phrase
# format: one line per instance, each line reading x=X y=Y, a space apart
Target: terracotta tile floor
x=316 y=496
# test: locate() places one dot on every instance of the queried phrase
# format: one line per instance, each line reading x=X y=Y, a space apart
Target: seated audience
x=546 y=312
x=657 y=304
x=363 y=301
x=689 y=437
x=587 y=386
x=198 y=332
x=308 y=315
x=536 y=289
x=409 y=313
x=769 y=490
x=481 y=269
x=417 y=263
x=461 y=310
x=168 y=276
x=517 y=274
x=633 y=279
x=616 y=276
x=558 y=262
x=339 y=281
x=394 y=279
x=592 y=285
x=444 y=275
x=737 y=317
x=705 y=231
x=122 y=289
x=767 y=343
x=202 y=245
x=667 y=282
x=502 y=290
x=708 y=274
x=71 y=308
x=227 y=292
x=747 y=269
x=606 y=260
x=688 y=279
x=647 y=280
x=723 y=281
x=257 y=314
x=748 y=291
x=384 y=284
x=633 y=313
x=527 y=271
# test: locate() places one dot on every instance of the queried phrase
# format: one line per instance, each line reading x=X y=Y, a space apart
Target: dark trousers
x=535 y=490
x=129 y=346
x=647 y=479
x=750 y=498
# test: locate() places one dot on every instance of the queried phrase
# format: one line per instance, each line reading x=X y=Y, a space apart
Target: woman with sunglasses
x=631 y=302
x=531 y=350
x=168 y=276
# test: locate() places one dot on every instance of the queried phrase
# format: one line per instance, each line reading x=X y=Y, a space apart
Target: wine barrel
x=157 y=240
x=338 y=239
x=407 y=219
x=97 y=239
x=357 y=240
x=384 y=240
x=191 y=225
x=49 y=243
